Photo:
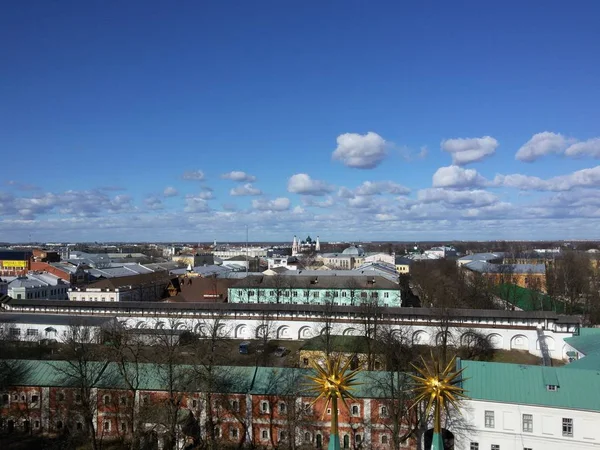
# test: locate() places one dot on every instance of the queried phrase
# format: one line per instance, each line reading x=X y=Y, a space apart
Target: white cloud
x=326 y=203
x=196 y=175
x=153 y=202
x=206 y=194
x=278 y=204
x=196 y=204
x=302 y=183
x=237 y=175
x=476 y=197
x=245 y=189
x=542 y=144
x=170 y=191
x=465 y=151
x=370 y=188
x=591 y=147
x=360 y=151
x=581 y=178
x=457 y=177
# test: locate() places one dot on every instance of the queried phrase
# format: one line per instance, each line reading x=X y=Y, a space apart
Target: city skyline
x=355 y=122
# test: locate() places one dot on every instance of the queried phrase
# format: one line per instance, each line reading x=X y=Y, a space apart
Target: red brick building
x=263 y=405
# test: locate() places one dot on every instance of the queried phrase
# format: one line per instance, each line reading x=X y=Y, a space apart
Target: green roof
x=587 y=342
x=528 y=299
x=515 y=383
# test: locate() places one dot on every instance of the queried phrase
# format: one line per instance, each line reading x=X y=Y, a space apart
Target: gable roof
x=131 y=280
x=521 y=384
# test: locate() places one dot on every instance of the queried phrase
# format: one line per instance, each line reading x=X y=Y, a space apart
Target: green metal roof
x=587 y=342
x=515 y=383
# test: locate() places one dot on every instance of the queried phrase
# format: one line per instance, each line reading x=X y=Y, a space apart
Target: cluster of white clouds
x=469 y=150
x=547 y=143
x=458 y=195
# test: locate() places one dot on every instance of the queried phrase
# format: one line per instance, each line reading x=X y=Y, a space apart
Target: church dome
x=353 y=250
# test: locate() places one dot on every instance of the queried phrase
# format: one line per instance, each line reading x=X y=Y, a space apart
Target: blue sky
x=352 y=120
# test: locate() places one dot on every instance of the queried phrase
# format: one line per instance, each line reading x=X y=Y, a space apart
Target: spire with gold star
x=440 y=389
x=331 y=383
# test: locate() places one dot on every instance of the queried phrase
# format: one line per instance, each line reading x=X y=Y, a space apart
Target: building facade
x=340 y=290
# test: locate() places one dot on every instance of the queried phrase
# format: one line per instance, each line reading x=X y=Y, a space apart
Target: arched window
x=384 y=439
x=346 y=441
x=319 y=441
x=307 y=437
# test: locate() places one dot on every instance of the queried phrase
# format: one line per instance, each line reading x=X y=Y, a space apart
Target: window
x=194 y=403
x=315 y=294
x=123 y=426
x=282 y=408
x=264 y=434
x=355 y=410
x=495 y=447
x=5 y=399
x=106 y=425
x=282 y=435
x=527 y=423
x=235 y=405
x=233 y=433
x=294 y=294
x=384 y=439
x=32 y=332
x=474 y=446
x=106 y=399
x=386 y=294
x=328 y=411
x=358 y=439
x=36 y=424
x=264 y=407
x=59 y=425
x=305 y=361
x=307 y=437
x=218 y=432
x=527 y=448
x=567 y=427
x=145 y=400
x=77 y=398
x=383 y=411
x=61 y=396
x=14 y=332
x=122 y=400
x=343 y=294
x=489 y=419
x=34 y=399
x=79 y=426
x=552 y=387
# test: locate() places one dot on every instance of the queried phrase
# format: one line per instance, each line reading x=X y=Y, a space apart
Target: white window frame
x=527 y=423
x=489 y=419
x=567 y=427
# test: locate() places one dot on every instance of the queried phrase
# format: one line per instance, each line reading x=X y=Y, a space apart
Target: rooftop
x=520 y=384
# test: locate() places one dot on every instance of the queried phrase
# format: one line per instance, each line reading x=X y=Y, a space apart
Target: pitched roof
x=131 y=280
x=520 y=384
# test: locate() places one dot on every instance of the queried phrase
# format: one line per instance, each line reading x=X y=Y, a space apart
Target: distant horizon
x=189 y=122
x=350 y=242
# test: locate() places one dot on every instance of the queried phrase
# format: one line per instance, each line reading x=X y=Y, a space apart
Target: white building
x=230 y=252
x=527 y=407
x=38 y=285
x=50 y=327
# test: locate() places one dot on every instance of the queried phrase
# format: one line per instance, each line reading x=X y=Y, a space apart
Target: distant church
x=306 y=245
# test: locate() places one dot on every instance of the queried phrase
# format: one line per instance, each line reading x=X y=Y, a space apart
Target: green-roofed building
x=515 y=406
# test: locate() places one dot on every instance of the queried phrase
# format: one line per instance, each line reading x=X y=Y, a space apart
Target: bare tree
x=82 y=370
x=393 y=387
x=265 y=331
